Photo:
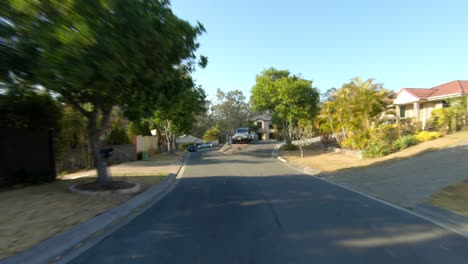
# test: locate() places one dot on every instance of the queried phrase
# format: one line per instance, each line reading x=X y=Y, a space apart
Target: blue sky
x=399 y=43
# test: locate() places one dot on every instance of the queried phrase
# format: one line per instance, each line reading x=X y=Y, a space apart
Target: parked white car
x=208 y=144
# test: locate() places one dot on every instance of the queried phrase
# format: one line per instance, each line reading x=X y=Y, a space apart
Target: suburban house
x=264 y=126
x=418 y=103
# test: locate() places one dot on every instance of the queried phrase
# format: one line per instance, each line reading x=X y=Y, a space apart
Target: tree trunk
x=287 y=133
x=302 y=151
x=174 y=143
x=95 y=143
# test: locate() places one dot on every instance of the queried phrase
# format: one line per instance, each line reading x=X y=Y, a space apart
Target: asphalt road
x=250 y=208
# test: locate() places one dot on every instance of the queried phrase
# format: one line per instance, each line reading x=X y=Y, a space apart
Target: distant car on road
x=208 y=144
x=191 y=148
x=242 y=135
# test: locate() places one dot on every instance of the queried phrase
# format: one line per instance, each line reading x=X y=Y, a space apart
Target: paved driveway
x=411 y=181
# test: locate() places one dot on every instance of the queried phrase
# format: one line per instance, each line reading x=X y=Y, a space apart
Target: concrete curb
x=274 y=153
x=442 y=218
x=70 y=244
x=134 y=189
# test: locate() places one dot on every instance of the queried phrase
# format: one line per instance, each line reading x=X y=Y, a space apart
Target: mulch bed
x=110 y=186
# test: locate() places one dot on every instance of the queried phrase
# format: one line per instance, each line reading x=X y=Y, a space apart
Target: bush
x=452 y=118
x=426 y=135
x=211 y=134
x=410 y=127
x=118 y=135
x=355 y=141
x=404 y=142
x=380 y=141
x=377 y=148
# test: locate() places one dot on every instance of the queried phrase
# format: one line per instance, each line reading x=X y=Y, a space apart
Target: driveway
x=250 y=208
x=410 y=182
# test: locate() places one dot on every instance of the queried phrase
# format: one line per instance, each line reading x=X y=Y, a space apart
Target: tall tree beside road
x=99 y=54
x=289 y=97
x=180 y=114
x=231 y=110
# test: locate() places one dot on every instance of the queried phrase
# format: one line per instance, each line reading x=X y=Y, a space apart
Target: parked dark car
x=191 y=148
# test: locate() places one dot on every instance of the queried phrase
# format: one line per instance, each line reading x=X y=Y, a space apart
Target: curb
x=431 y=214
x=134 y=189
x=274 y=153
x=281 y=159
x=66 y=246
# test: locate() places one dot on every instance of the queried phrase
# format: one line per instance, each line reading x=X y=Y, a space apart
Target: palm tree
x=352 y=109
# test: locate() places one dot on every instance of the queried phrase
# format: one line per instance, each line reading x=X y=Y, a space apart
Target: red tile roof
x=420 y=92
x=453 y=87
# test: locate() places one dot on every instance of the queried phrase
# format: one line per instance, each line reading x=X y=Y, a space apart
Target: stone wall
x=76 y=159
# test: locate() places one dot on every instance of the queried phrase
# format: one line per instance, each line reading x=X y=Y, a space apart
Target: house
x=189 y=139
x=264 y=126
x=418 y=103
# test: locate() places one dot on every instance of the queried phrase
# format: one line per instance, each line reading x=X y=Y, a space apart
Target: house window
x=259 y=124
x=402 y=111
x=270 y=126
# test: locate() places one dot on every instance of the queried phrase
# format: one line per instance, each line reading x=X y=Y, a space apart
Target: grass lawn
x=32 y=214
x=329 y=161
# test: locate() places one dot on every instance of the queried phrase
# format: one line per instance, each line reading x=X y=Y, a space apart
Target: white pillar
x=416 y=111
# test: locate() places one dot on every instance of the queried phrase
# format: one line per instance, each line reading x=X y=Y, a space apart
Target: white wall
x=405 y=97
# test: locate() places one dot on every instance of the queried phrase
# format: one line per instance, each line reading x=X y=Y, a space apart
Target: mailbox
x=106 y=153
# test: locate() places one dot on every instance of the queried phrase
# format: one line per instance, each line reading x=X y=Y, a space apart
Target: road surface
x=250 y=208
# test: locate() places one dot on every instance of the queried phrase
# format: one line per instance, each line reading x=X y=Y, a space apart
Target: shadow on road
x=275 y=219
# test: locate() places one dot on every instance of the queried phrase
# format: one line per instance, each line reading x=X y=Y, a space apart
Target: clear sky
x=399 y=43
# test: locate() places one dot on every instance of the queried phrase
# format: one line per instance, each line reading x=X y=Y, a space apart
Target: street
x=250 y=208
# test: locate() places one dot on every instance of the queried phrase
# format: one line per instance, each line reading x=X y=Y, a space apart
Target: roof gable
x=405 y=96
x=408 y=95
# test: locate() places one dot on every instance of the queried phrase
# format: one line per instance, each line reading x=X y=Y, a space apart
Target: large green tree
x=231 y=110
x=289 y=97
x=179 y=116
x=99 y=54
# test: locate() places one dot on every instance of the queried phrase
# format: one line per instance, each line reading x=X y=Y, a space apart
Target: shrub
x=426 y=135
x=451 y=118
x=211 y=134
x=118 y=135
x=355 y=141
x=377 y=148
x=404 y=142
x=410 y=127
x=380 y=141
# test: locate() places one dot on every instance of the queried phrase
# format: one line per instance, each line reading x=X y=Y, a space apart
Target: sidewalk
x=51 y=213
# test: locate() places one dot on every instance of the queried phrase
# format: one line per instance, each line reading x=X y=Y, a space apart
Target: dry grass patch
x=33 y=214
x=454 y=198
x=328 y=161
